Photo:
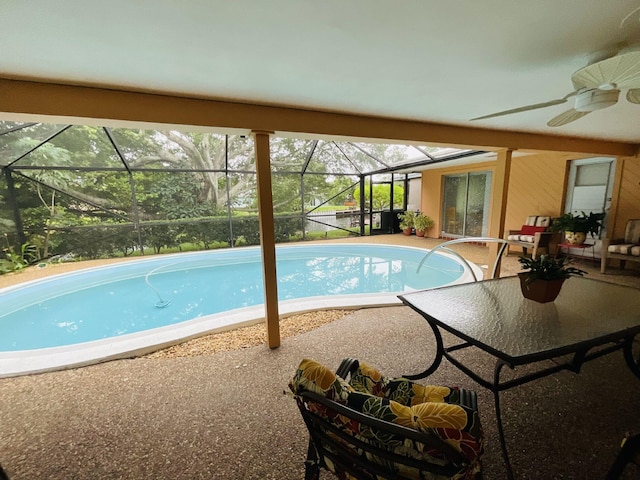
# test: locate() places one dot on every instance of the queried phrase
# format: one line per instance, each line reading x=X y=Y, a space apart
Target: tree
x=170 y=195
x=175 y=175
x=343 y=189
x=204 y=153
x=56 y=179
x=382 y=196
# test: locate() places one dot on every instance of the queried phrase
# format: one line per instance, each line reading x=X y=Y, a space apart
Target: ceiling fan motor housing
x=596 y=99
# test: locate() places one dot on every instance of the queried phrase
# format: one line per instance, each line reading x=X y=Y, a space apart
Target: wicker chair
x=534 y=235
x=623 y=249
x=353 y=433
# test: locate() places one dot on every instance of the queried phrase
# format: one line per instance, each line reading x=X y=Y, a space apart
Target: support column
x=499 y=194
x=22 y=239
x=612 y=214
x=267 y=237
x=136 y=212
x=362 y=206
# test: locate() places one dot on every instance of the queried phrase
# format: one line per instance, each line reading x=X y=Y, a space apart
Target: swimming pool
x=136 y=306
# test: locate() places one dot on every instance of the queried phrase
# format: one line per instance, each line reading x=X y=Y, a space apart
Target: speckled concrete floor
x=225 y=416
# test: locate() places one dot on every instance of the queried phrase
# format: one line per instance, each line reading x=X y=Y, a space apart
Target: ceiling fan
x=597 y=86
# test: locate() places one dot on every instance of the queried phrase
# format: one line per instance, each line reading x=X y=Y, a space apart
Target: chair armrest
x=543 y=239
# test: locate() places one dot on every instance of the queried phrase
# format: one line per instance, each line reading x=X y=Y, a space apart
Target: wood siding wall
x=628 y=196
x=537 y=186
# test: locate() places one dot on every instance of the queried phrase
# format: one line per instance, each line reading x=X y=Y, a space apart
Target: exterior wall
x=431 y=203
x=537 y=186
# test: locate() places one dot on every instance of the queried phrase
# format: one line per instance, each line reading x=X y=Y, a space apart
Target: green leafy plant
x=586 y=223
x=546 y=267
x=13 y=261
x=407 y=219
x=423 y=222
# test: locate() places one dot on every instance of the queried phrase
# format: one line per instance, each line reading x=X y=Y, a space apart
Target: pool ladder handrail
x=445 y=246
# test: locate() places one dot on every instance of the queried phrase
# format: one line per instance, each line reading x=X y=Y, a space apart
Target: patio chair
x=623 y=249
x=452 y=220
x=371 y=427
x=535 y=234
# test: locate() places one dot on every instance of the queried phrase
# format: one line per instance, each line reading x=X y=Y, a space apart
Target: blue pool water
x=146 y=294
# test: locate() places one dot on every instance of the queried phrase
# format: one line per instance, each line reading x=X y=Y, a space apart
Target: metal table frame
x=579 y=353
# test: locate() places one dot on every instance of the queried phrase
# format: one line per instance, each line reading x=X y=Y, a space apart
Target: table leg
x=496 y=398
x=436 y=361
x=632 y=359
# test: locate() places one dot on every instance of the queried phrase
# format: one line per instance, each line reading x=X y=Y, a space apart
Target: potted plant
x=542 y=277
x=577 y=227
x=422 y=223
x=407 y=221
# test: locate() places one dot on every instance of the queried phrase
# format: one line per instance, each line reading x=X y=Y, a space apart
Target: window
x=465 y=204
x=589 y=186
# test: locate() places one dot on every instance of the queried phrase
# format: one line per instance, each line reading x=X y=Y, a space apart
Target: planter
x=575 y=238
x=420 y=233
x=541 y=291
x=406 y=231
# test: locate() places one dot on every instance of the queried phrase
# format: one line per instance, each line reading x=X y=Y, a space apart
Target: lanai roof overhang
x=53 y=103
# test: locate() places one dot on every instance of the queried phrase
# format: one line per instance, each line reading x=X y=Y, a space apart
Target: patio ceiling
x=425 y=61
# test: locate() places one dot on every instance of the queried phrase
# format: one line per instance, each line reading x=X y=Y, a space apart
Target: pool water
x=146 y=294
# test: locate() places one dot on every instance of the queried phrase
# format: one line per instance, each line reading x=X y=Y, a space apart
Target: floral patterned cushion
x=452 y=423
x=314 y=377
x=429 y=409
x=367 y=379
x=426 y=408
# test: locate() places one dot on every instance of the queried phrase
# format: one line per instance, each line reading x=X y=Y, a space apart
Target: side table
x=582 y=247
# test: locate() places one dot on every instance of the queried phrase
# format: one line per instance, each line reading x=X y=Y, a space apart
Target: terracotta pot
x=541 y=291
x=575 y=238
x=407 y=231
x=420 y=233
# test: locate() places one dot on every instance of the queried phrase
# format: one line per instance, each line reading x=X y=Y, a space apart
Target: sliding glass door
x=465 y=205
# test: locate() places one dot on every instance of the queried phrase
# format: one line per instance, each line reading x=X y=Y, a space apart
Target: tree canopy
x=71 y=176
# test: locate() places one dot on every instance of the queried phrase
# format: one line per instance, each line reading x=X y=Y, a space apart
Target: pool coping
x=27 y=362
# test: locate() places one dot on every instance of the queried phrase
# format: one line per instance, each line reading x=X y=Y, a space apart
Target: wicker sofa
x=623 y=249
x=373 y=427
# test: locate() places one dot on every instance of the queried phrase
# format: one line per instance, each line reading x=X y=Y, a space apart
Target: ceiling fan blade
x=536 y=106
x=566 y=117
x=633 y=95
x=622 y=71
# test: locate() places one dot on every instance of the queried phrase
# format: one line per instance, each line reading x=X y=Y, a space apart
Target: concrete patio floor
x=225 y=416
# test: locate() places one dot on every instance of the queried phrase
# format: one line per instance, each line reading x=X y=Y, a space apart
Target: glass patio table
x=589 y=319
